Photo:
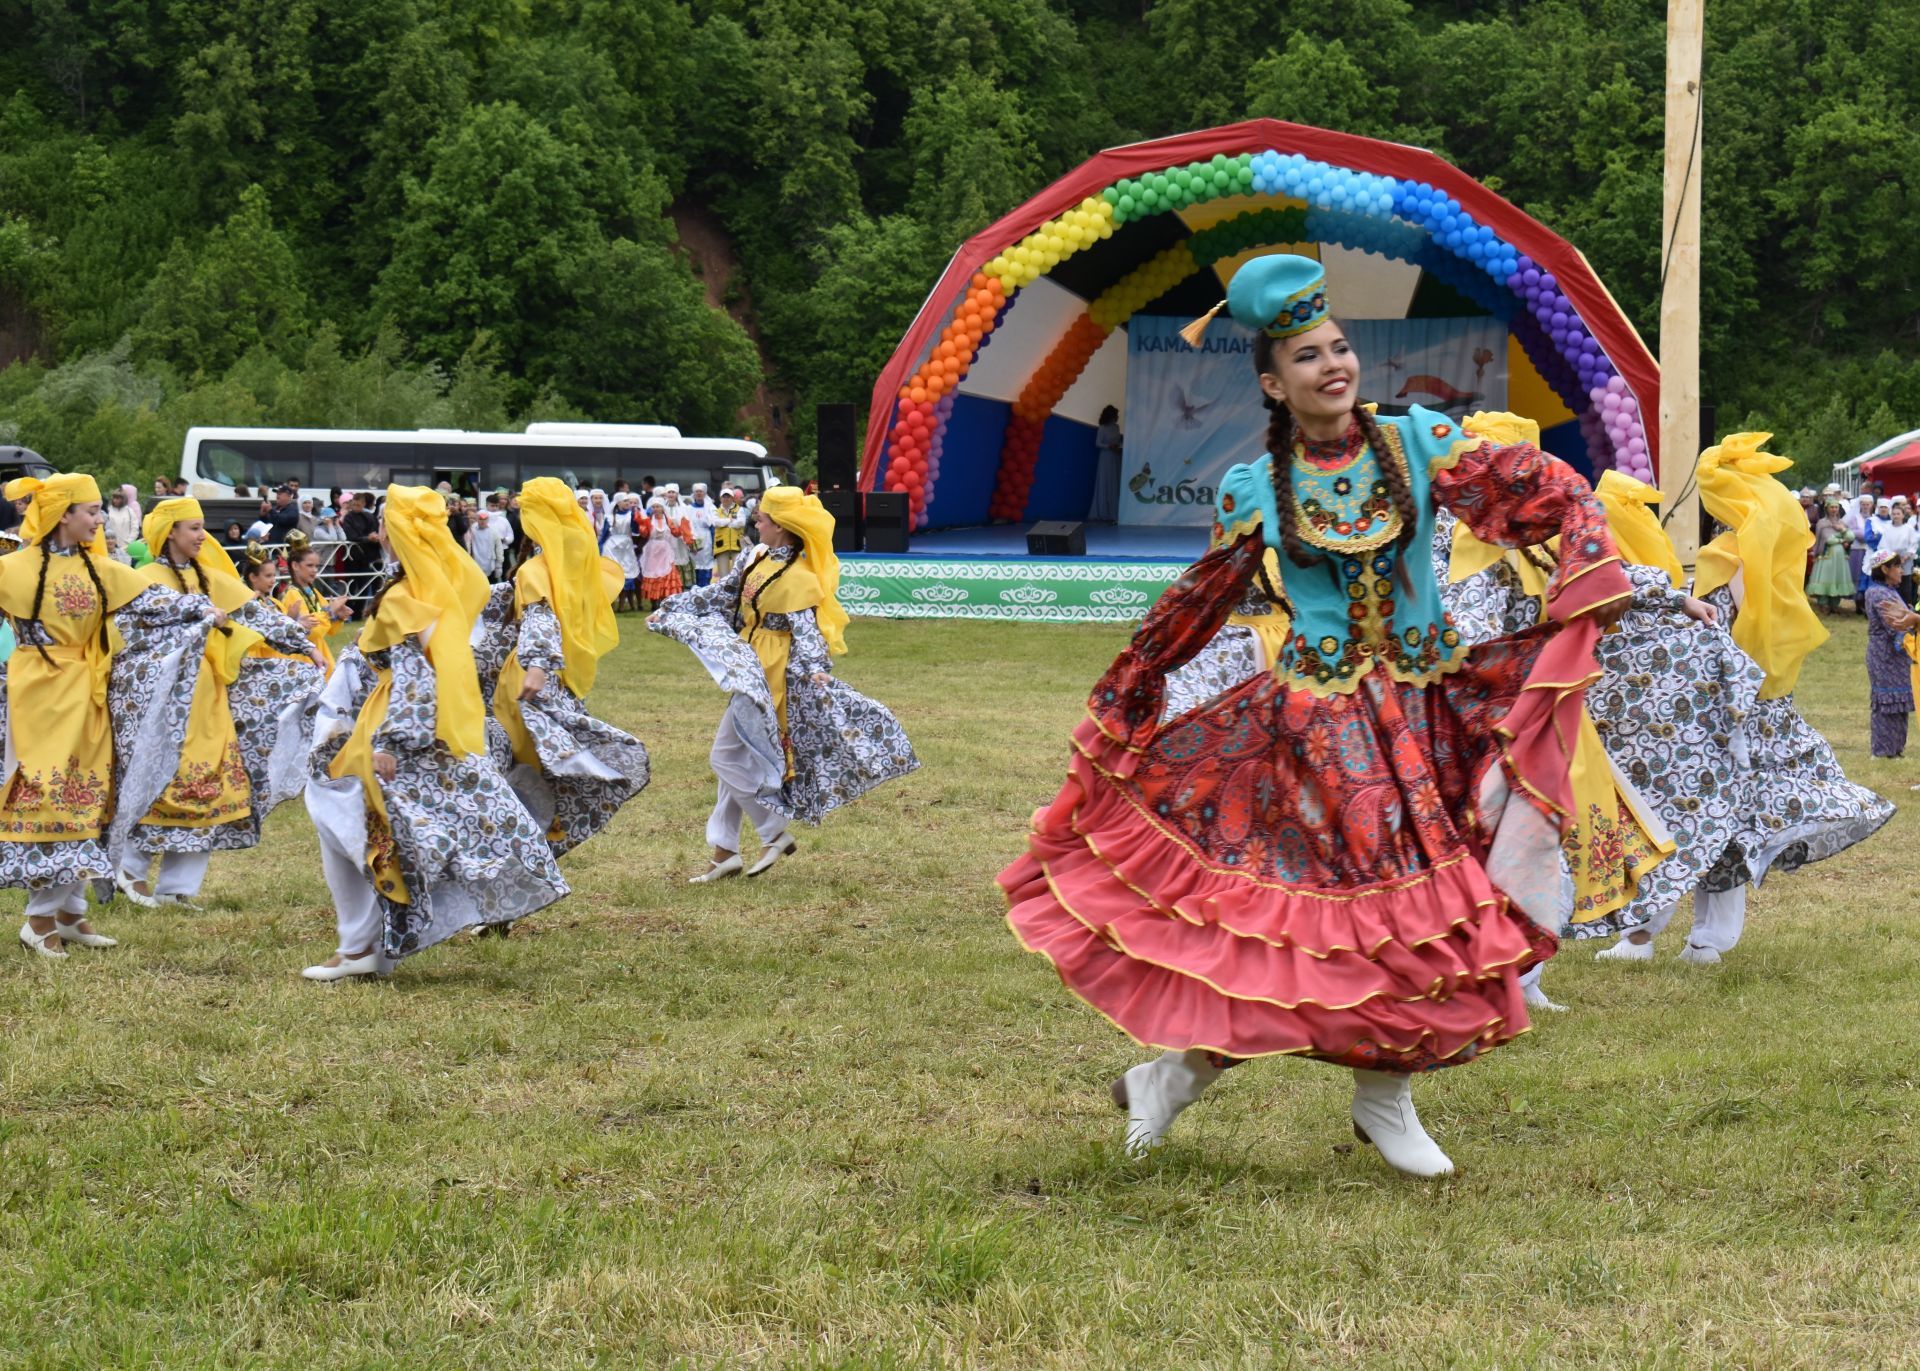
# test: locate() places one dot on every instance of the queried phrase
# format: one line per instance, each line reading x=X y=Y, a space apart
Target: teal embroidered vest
x=1368 y=602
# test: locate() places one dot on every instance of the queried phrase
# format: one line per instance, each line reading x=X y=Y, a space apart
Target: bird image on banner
x=1190 y=410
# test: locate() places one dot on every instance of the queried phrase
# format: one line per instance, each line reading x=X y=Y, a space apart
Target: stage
x=987 y=573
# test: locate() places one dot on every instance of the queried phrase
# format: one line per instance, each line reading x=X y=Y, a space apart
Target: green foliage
x=221 y=187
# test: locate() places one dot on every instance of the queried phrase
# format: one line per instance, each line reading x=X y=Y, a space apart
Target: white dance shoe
x=125 y=887
x=73 y=933
x=373 y=963
x=1695 y=955
x=1154 y=1093
x=37 y=942
x=719 y=871
x=1625 y=951
x=781 y=846
x=1383 y=1115
x=1535 y=997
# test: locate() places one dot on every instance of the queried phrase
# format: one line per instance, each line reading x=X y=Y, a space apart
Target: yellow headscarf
x=225 y=650
x=157 y=527
x=806 y=517
x=52 y=498
x=576 y=581
x=1636 y=532
x=1766 y=540
x=444 y=589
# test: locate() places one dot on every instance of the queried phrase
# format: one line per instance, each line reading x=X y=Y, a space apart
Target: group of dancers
x=446 y=755
x=1429 y=705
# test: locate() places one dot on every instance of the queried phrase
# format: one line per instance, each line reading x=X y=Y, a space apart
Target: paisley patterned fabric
x=1340 y=874
x=588 y=768
x=162 y=636
x=1672 y=709
x=469 y=853
x=270 y=752
x=840 y=743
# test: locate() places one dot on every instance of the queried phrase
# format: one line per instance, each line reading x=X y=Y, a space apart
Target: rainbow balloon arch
x=1163 y=224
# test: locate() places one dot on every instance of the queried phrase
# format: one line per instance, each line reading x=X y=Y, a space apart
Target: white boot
x=1535 y=997
x=1153 y=1094
x=1626 y=951
x=1383 y=1115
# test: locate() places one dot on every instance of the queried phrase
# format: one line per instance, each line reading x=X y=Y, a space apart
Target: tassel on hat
x=1197 y=330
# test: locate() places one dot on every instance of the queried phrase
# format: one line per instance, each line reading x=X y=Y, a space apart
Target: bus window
x=256 y=462
x=357 y=466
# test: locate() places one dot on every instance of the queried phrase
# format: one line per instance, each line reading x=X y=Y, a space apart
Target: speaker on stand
x=839 y=464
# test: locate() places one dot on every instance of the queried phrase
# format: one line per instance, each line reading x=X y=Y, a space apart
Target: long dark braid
x=39 y=594
x=199 y=575
x=1399 y=484
x=1280 y=449
x=100 y=589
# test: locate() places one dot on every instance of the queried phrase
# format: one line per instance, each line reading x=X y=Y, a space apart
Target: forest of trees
x=455 y=212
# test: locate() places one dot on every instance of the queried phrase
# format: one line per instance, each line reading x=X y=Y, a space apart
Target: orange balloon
x=919 y=394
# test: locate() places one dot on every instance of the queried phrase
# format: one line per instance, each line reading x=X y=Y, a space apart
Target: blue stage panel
x=970 y=461
x=1063 y=477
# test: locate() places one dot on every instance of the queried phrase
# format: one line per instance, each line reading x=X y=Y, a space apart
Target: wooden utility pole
x=1680 y=437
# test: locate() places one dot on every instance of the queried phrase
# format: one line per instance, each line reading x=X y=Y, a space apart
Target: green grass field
x=836 y=1117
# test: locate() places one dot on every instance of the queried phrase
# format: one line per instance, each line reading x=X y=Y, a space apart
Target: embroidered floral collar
x=1331 y=454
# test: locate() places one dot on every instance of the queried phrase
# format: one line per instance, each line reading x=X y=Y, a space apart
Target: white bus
x=217 y=463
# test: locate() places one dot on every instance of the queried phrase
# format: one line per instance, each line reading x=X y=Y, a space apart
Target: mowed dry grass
x=836 y=1117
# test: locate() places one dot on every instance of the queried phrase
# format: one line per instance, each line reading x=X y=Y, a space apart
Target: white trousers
x=356 y=910
x=52 y=900
x=736 y=773
x=181 y=873
x=1718 y=919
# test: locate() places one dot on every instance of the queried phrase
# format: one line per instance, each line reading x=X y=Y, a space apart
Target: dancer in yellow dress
x=57 y=798
x=420 y=835
x=209 y=804
x=571 y=770
x=321 y=615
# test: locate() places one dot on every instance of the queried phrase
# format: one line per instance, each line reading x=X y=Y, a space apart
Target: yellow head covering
x=806 y=517
x=444 y=589
x=157 y=527
x=1636 y=532
x=1766 y=541
x=576 y=582
x=52 y=498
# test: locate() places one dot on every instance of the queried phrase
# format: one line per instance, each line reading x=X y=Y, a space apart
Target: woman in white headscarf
x=664 y=537
x=618 y=546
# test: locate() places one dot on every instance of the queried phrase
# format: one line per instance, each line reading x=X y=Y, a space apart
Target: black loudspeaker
x=844 y=506
x=1057 y=538
x=839 y=464
x=886 y=521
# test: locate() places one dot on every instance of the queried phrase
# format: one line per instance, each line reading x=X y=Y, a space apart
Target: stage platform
x=987 y=573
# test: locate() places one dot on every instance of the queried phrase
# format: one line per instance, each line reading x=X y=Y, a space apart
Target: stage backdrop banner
x=1193 y=412
x=1048 y=590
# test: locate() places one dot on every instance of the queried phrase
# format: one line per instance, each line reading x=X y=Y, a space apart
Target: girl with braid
x=209 y=804
x=65 y=794
x=321 y=615
x=794 y=743
x=1354 y=855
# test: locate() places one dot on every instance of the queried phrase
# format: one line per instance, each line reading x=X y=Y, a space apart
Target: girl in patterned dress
x=1889 y=669
x=420 y=834
x=794 y=743
x=210 y=805
x=67 y=797
x=1792 y=805
x=1355 y=856
x=571 y=770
